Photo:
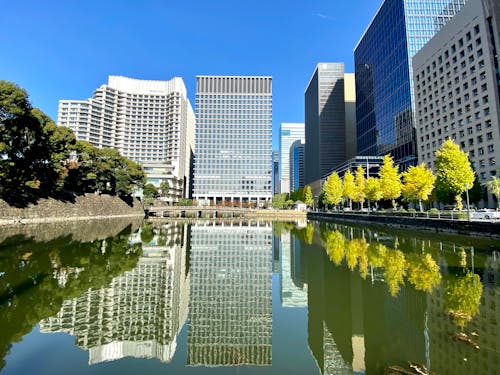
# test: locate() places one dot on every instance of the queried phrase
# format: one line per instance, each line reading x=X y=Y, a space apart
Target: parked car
x=485 y=213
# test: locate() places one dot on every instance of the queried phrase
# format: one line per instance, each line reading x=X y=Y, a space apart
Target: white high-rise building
x=289 y=133
x=150 y=122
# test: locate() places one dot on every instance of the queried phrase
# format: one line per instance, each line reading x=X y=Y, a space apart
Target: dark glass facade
x=384 y=87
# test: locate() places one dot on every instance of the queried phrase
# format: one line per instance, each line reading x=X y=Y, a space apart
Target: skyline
x=57 y=53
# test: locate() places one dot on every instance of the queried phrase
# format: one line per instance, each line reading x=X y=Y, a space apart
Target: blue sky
x=66 y=49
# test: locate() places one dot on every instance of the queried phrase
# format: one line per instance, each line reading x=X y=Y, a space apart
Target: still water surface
x=246 y=298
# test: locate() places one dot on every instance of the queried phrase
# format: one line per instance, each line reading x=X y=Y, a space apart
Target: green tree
x=308 y=196
x=493 y=186
x=279 y=200
x=164 y=188
x=333 y=189
x=360 y=183
x=349 y=187
x=150 y=191
x=390 y=180
x=418 y=183
x=372 y=189
x=453 y=171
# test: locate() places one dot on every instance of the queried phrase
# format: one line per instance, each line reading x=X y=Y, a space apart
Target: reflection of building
x=231 y=306
x=383 y=74
x=150 y=122
x=139 y=314
x=289 y=133
x=293 y=292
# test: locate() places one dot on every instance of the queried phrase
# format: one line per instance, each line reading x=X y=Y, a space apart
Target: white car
x=484 y=213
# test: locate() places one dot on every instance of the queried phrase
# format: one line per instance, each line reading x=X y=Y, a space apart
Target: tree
x=349 y=187
x=150 y=191
x=453 y=170
x=372 y=189
x=164 y=188
x=493 y=186
x=360 y=184
x=418 y=183
x=308 y=197
x=279 y=200
x=333 y=189
x=390 y=180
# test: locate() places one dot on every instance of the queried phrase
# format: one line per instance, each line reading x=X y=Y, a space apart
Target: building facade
x=384 y=85
x=149 y=122
x=276 y=172
x=457 y=87
x=234 y=138
x=297 y=167
x=289 y=133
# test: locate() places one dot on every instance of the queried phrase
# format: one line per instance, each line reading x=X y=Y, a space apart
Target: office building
x=149 y=122
x=276 y=172
x=234 y=138
x=382 y=58
x=289 y=133
x=329 y=119
x=297 y=167
x=457 y=87
x=230 y=307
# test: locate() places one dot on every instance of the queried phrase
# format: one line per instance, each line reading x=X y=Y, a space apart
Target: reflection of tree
x=305 y=235
x=394 y=271
x=147 y=233
x=335 y=246
x=423 y=272
x=38 y=277
x=463 y=295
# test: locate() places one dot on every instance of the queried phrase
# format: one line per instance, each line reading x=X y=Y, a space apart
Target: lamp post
x=467 y=194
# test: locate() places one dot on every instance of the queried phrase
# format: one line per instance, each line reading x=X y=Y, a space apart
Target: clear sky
x=66 y=49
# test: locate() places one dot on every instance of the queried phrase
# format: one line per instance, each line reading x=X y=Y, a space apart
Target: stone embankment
x=475 y=228
x=79 y=207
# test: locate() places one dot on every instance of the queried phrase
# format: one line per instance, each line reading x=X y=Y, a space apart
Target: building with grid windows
x=149 y=122
x=233 y=162
x=289 y=133
x=276 y=172
x=384 y=84
x=457 y=89
x=230 y=306
x=329 y=120
x=297 y=168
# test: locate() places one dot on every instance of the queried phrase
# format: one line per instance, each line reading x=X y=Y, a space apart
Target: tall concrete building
x=457 y=89
x=382 y=58
x=230 y=309
x=297 y=166
x=329 y=120
x=140 y=313
x=150 y=122
x=234 y=140
x=289 y=133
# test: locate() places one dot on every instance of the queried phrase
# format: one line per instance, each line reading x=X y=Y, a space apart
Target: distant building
x=149 y=122
x=234 y=136
x=329 y=119
x=289 y=133
x=297 y=167
x=384 y=84
x=276 y=172
x=457 y=89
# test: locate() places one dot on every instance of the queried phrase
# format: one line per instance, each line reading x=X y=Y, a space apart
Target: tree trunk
x=420 y=204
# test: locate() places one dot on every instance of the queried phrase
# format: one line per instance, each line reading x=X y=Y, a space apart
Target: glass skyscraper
x=289 y=133
x=384 y=86
x=233 y=163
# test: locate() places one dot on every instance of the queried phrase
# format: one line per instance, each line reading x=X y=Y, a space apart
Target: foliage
x=184 y=202
x=390 y=180
x=147 y=233
x=332 y=189
x=308 y=197
x=297 y=195
x=453 y=171
x=149 y=191
x=279 y=200
x=335 y=246
x=423 y=272
x=493 y=186
x=372 y=189
x=360 y=184
x=395 y=271
x=418 y=183
x=462 y=298
x=164 y=188
x=349 y=187
x=322 y=200
x=476 y=192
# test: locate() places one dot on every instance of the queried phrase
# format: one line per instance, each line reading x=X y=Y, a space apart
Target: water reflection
x=141 y=312
x=231 y=306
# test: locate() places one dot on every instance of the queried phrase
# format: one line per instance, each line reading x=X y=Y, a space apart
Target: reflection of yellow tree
x=376 y=254
x=423 y=272
x=335 y=243
x=463 y=295
x=394 y=270
x=351 y=254
x=309 y=232
x=363 y=258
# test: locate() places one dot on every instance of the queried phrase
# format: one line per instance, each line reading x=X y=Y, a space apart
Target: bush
x=412 y=210
x=434 y=210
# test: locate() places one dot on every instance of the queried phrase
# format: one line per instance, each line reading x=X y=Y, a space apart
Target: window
x=491 y=148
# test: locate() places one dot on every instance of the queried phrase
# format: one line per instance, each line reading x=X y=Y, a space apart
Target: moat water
x=248 y=297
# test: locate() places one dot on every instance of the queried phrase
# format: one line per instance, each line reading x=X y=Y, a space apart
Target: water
x=246 y=298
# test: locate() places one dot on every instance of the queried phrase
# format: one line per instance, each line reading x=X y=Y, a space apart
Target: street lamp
x=467 y=194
